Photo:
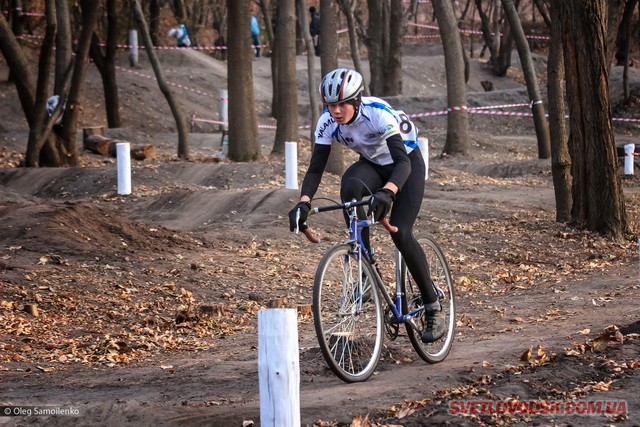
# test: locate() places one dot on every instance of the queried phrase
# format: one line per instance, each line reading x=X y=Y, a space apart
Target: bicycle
x=347 y=309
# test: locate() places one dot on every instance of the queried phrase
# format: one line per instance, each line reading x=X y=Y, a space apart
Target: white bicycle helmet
x=341 y=85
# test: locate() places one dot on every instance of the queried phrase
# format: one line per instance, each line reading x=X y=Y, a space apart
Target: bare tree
x=597 y=194
x=243 y=129
x=287 y=96
x=43 y=147
x=560 y=158
x=314 y=103
x=384 y=42
x=90 y=10
x=63 y=45
x=154 y=21
x=541 y=125
x=623 y=45
x=106 y=65
x=328 y=62
x=457 y=118
x=347 y=7
x=181 y=122
x=497 y=38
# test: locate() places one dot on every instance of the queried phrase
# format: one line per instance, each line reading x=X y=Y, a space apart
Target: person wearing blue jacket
x=255 y=35
x=181 y=35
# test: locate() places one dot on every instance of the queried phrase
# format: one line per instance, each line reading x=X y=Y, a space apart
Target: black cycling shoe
x=434 y=323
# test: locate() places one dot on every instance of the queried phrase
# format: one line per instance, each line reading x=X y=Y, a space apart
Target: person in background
x=181 y=35
x=314 y=29
x=255 y=35
x=390 y=168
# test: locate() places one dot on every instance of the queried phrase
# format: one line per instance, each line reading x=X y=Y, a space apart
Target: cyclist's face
x=341 y=112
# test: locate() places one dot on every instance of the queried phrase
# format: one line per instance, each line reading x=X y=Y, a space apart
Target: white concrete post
x=629 y=151
x=278 y=367
x=223 y=108
x=291 y=163
x=133 y=48
x=123 y=154
x=424 y=149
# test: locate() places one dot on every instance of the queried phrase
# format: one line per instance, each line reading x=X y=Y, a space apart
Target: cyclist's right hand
x=298 y=216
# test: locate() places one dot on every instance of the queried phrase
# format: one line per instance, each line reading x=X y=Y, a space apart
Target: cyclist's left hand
x=380 y=203
x=298 y=216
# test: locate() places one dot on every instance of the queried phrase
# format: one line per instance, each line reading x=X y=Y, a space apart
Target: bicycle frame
x=355 y=237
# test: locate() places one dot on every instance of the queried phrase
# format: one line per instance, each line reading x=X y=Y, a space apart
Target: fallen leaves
x=611 y=336
x=535 y=357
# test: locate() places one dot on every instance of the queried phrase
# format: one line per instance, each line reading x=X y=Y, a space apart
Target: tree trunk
x=542 y=127
x=597 y=194
x=615 y=10
x=45 y=65
x=457 y=118
x=345 y=5
x=17 y=18
x=560 y=158
x=90 y=10
x=154 y=21
x=21 y=71
x=623 y=39
x=314 y=102
x=244 y=144
x=181 y=122
x=393 y=67
x=498 y=40
x=328 y=30
x=287 y=114
x=107 y=68
x=63 y=45
x=375 y=46
x=274 y=63
x=329 y=62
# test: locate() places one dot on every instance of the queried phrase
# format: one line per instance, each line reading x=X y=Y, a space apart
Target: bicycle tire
x=350 y=333
x=437 y=351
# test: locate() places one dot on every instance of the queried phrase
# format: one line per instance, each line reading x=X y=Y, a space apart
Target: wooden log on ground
x=106 y=147
x=145 y=152
x=99 y=144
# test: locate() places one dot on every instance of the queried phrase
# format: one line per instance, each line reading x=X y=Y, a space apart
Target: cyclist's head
x=341 y=85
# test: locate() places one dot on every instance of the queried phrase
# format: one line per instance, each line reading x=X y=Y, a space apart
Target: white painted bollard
x=123 y=154
x=223 y=109
x=424 y=149
x=278 y=367
x=291 y=165
x=629 y=151
x=133 y=48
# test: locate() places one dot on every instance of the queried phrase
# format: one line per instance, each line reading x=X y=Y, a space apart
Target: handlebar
x=314 y=239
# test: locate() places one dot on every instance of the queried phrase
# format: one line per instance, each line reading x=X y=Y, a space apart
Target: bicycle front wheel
x=441 y=276
x=347 y=315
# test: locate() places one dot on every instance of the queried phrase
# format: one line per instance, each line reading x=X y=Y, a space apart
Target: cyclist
x=390 y=165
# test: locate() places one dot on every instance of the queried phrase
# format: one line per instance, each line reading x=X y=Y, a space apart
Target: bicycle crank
x=391 y=324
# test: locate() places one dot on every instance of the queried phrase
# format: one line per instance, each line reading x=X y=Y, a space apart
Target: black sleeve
x=312 y=178
x=401 y=160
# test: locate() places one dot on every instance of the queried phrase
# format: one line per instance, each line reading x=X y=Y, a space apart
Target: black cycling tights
x=362 y=179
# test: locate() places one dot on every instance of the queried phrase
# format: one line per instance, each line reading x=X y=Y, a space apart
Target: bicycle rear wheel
x=347 y=315
x=436 y=351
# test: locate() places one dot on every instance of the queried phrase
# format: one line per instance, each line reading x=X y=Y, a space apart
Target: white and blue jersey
x=367 y=134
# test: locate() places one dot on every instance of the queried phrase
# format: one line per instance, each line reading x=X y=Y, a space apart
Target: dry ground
x=147 y=303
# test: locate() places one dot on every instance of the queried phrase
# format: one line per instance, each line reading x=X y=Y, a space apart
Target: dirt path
x=125 y=286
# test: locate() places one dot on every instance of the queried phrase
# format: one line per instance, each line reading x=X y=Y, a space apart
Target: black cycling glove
x=303 y=208
x=380 y=203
